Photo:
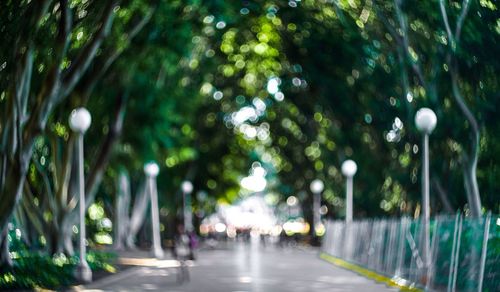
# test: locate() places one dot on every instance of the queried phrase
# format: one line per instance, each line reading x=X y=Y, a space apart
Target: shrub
x=39 y=270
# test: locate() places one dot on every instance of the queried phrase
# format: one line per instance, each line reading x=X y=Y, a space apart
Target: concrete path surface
x=241 y=267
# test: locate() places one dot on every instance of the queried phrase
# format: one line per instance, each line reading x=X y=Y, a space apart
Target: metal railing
x=465 y=252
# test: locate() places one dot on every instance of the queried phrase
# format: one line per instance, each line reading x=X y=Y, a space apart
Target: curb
x=368 y=273
x=107 y=280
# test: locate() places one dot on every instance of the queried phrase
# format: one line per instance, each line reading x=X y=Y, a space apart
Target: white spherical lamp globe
x=187 y=187
x=425 y=120
x=151 y=169
x=317 y=186
x=79 y=120
x=349 y=168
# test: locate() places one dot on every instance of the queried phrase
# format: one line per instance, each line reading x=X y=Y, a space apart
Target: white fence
x=465 y=252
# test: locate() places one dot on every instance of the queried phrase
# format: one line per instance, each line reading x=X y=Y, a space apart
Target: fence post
x=457 y=253
x=389 y=256
x=344 y=241
x=433 y=253
x=484 y=250
x=339 y=239
x=402 y=231
x=452 y=256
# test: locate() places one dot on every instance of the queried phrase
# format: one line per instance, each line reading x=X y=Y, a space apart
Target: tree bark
x=101 y=160
x=115 y=129
x=469 y=160
x=138 y=215
x=21 y=131
x=57 y=86
x=443 y=196
x=5 y=260
x=122 y=203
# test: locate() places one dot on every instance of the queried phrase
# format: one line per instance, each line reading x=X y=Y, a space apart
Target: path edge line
x=108 y=280
x=367 y=273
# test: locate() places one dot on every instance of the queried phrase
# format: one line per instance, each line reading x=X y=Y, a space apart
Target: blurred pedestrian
x=182 y=252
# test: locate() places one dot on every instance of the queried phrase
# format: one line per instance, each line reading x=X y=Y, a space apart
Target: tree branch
x=403 y=22
x=97 y=170
x=83 y=60
x=469 y=161
x=62 y=191
x=53 y=204
x=50 y=91
x=446 y=22
x=34 y=14
x=461 y=19
x=443 y=196
x=33 y=211
x=339 y=12
x=460 y=100
x=93 y=77
x=390 y=28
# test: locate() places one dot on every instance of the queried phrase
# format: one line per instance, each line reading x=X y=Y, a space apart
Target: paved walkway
x=242 y=267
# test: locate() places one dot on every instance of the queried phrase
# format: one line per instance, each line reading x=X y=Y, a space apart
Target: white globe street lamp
x=316 y=187
x=151 y=170
x=349 y=169
x=426 y=121
x=187 y=188
x=79 y=122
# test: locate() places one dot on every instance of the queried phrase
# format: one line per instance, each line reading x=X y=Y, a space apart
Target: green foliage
x=33 y=270
x=38 y=270
x=349 y=92
x=349 y=76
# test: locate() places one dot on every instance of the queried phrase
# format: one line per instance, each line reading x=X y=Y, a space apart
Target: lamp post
x=349 y=169
x=151 y=170
x=187 y=188
x=201 y=197
x=426 y=121
x=79 y=122
x=316 y=187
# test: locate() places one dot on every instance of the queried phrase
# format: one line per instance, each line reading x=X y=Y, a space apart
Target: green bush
x=35 y=269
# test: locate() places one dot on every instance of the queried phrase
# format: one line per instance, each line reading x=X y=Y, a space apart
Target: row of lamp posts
x=349 y=169
x=425 y=121
x=151 y=171
x=80 y=120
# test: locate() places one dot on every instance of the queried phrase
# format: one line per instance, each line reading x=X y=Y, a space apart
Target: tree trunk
x=443 y=196
x=122 y=203
x=100 y=163
x=61 y=237
x=5 y=260
x=101 y=160
x=21 y=130
x=9 y=198
x=138 y=215
x=469 y=160
x=23 y=225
